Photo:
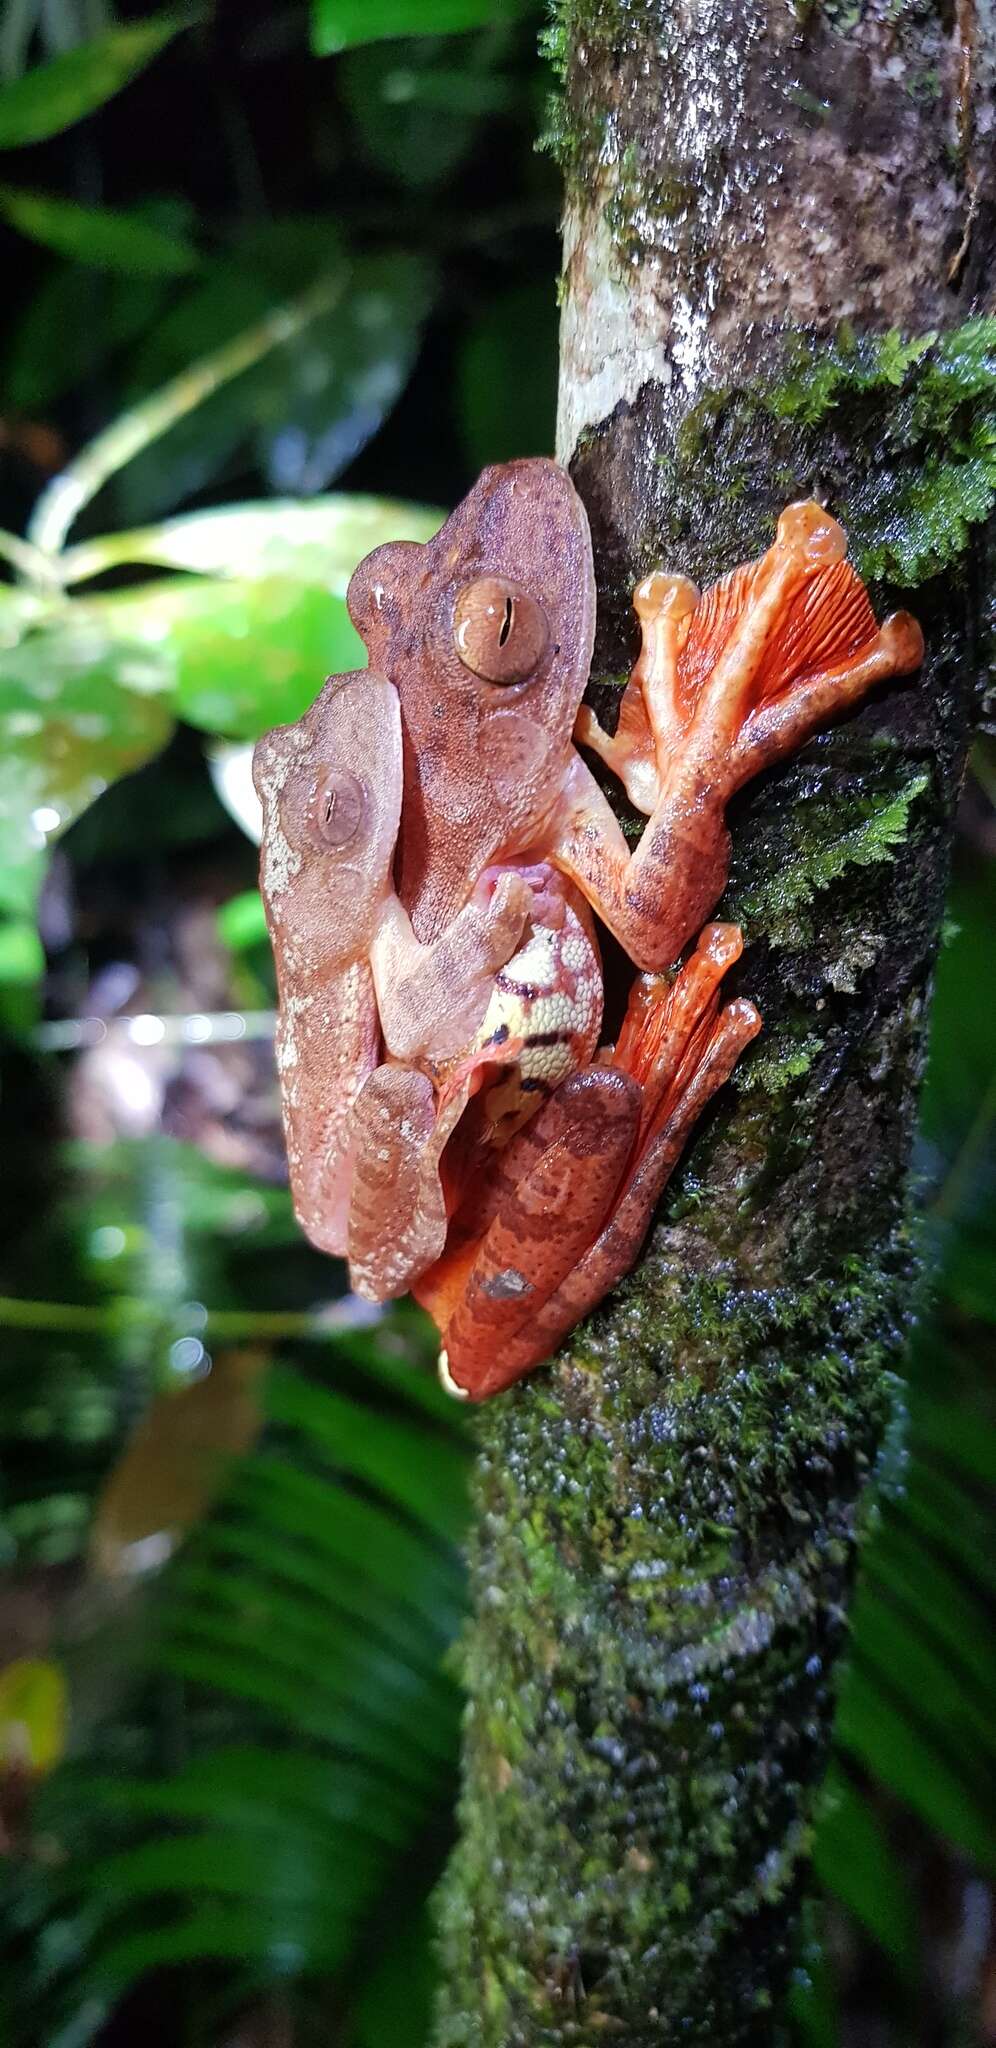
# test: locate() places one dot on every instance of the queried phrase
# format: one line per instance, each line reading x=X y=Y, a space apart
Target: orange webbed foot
x=731 y=680
x=778 y=648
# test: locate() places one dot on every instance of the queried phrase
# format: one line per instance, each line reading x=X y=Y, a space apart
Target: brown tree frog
x=500 y=1163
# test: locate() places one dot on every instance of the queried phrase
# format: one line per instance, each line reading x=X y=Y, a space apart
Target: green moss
x=775 y=1063
x=929 y=470
x=829 y=837
x=651 y=1751
x=574 y=139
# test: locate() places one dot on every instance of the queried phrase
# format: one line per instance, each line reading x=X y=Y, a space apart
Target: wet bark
x=667 y=1517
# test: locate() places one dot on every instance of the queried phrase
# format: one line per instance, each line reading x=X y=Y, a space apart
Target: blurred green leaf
x=22 y=960
x=967 y=1243
x=102 y=311
x=338 y=24
x=78 y=707
x=99 y=236
x=907 y=1757
x=239 y=656
x=22 y=964
x=813 y=2001
x=916 y=1699
x=32 y=1714
x=852 y=1859
x=317 y=1616
x=395 y=2001
x=317 y=541
x=375 y=1448
x=507 y=377
x=309 y=399
x=343 y=375
x=961 y=1066
x=403 y=134
x=448 y=90
x=242 y=921
x=54 y=95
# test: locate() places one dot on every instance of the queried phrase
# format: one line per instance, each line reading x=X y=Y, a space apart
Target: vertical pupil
x=506 y=624
x=329 y=806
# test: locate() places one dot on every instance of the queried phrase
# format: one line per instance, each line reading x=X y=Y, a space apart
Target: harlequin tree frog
x=491 y=1156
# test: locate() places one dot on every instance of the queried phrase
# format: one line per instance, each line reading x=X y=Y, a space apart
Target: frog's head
x=486 y=632
x=330 y=787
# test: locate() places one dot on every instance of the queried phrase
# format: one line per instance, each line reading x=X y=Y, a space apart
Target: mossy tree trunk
x=778 y=228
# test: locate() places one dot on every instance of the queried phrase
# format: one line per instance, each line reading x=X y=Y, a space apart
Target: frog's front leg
x=542 y=1021
x=572 y=1199
x=728 y=683
x=432 y=998
x=646 y=709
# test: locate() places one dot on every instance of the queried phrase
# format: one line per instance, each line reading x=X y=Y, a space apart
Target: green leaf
x=239 y=657
x=241 y=921
x=296 y=1503
x=318 y=540
x=908 y=1760
x=313 y=391
x=852 y=1859
x=376 y=1449
x=22 y=964
x=53 y=96
x=968 y=1246
x=22 y=960
x=78 y=707
x=961 y=1065
x=341 y=376
x=813 y=2002
x=395 y=2001
x=98 y=236
x=103 y=311
x=213 y=1787
x=397 y=127
x=308 y=1618
x=339 y=24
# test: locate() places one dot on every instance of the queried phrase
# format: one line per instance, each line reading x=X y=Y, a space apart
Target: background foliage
x=279 y=282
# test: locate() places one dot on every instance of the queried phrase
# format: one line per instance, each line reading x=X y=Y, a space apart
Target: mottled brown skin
x=483 y=761
x=485 y=634
x=728 y=683
x=353 y=982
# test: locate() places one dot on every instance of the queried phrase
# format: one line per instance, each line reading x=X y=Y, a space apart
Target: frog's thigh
x=578 y=1151
x=397 y=1216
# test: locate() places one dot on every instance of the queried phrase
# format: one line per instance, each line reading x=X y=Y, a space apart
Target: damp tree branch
x=779 y=228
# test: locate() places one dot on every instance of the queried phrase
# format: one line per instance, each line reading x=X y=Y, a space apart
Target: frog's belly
x=547 y=1002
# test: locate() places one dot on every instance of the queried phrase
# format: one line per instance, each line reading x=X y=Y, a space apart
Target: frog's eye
x=500 y=632
x=338 y=808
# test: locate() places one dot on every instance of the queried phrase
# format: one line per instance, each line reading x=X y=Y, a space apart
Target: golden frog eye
x=338 y=808
x=500 y=632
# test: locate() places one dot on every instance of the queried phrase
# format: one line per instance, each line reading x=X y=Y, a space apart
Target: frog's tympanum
x=436 y=858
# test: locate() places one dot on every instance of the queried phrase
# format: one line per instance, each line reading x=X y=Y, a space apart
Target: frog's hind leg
x=557 y=1183
x=397 y=1213
x=677 y=1048
x=697 y=1047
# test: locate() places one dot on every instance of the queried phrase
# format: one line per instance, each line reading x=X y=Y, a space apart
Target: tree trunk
x=757 y=199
